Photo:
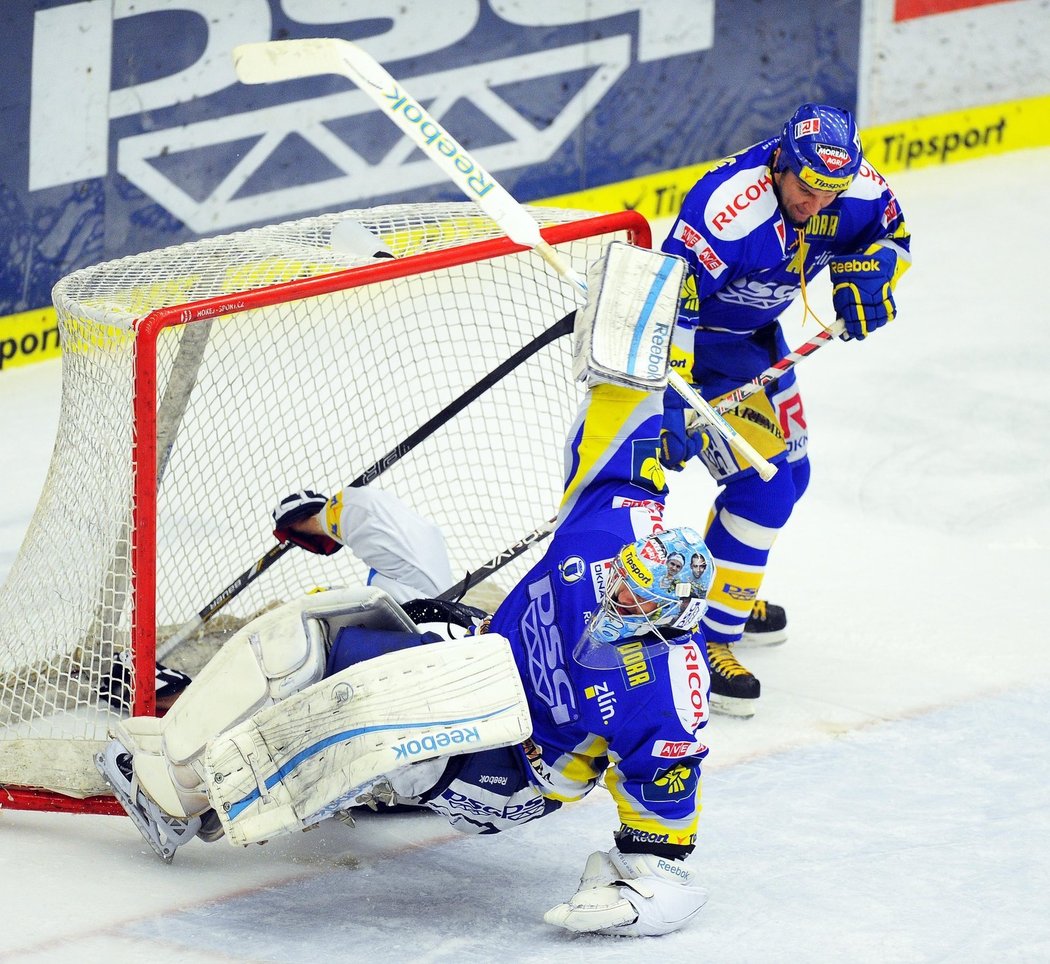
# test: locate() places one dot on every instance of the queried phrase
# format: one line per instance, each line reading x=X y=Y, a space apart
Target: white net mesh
x=308 y=392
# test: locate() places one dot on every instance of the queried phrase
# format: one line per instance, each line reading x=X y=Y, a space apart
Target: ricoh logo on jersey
x=690 y=684
x=741 y=204
x=546 y=652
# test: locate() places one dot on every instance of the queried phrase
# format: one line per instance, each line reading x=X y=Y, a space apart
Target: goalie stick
x=276 y=60
x=726 y=403
x=246 y=578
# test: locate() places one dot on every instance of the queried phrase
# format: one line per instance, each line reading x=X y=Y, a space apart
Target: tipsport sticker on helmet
x=634 y=567
x=821 y=182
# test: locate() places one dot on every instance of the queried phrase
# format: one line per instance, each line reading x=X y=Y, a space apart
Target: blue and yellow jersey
x=747 y=262
x=640 y=720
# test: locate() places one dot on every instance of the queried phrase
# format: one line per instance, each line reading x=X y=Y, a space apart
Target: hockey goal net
x=203 y=382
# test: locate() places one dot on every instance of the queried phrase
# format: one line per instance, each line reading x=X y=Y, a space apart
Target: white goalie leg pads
x=267 y=660
x=630 y=895
x=296 y=763
x=623 y=334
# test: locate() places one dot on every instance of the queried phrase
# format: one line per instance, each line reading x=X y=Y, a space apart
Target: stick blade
x=275 y=60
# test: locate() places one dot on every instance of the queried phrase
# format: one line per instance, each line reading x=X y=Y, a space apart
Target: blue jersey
x=748 y=263
x=641 y=720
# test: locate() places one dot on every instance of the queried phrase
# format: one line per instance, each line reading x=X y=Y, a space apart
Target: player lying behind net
x=592 y=665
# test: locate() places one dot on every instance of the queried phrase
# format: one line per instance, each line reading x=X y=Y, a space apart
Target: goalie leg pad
x=273 y=656
x=296 y=763
x=623 y=334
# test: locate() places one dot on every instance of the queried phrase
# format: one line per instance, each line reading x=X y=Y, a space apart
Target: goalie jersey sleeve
x=637 y=723
x=405 y=553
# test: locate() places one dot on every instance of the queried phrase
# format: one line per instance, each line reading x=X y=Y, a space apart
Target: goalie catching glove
x=630 y=895
x=299 y=507
x=863 y=288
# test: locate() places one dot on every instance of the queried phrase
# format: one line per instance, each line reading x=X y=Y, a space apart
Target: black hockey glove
x=296 y=507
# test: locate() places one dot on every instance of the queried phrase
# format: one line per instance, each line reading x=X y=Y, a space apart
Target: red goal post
x=202 y=382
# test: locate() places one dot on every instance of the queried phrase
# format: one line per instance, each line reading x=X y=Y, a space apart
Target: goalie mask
x=656 y=593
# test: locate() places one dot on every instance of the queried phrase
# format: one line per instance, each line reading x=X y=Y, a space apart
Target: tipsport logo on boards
x=217 y=155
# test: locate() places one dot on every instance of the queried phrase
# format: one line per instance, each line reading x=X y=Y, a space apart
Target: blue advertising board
x=127 y=128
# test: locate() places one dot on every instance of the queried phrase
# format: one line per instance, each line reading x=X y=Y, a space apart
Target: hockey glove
x=863 y=289
x=630 y=895
x=295 y=508
x=677 y=443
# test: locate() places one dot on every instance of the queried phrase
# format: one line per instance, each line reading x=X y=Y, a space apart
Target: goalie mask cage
x=203 y=382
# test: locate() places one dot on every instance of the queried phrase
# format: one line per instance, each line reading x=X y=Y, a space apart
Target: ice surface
x=890 y=801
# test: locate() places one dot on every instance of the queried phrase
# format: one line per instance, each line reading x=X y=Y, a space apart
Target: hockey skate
x=766 y=626
x=734 y=690
x=164 y=833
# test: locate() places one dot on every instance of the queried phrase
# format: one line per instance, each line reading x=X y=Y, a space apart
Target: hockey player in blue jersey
x=603 y=648
x=755 y=230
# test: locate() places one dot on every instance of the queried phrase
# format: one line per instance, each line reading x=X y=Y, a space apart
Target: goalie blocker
x=623 y=333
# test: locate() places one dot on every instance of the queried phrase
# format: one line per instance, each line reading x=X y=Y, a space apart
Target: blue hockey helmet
x=821 y=145
x=658 y=583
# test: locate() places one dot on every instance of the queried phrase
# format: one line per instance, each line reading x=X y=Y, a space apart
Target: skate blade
x=733 y=706
x=762 y=640
x=165 y=851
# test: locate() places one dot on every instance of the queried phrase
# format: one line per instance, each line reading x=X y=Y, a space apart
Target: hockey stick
x=246 y=578
x=498 y=561
x=778 y=368
x=725 y=404
x=276 y=60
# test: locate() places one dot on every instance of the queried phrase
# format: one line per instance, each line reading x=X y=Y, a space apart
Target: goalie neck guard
x=656 y=594
x=821 y=145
